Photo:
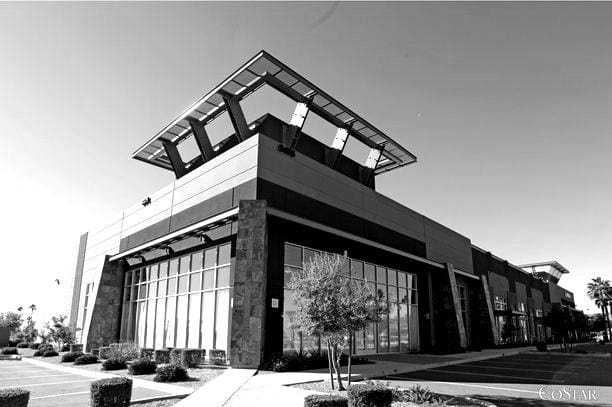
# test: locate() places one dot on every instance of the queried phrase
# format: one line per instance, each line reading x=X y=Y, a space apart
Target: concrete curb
x=579 y=355
x=218 y=391
x=174 y=390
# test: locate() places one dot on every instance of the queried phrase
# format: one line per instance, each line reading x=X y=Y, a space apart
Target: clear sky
x=508 y=107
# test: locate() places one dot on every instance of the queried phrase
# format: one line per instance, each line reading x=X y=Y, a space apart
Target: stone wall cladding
x=106 y=311
x=248 y=313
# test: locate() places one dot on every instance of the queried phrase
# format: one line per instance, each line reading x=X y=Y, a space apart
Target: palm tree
x=33 y=308
x=600 y=291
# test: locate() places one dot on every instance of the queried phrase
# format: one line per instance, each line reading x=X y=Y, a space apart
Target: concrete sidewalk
x=270 y=389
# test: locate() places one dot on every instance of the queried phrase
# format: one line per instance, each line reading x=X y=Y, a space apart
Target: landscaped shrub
x=43 y=347
x=23 y=345
x=14 y=398
x=325 y=400
x=50 y=353
x=217 y=356
x=146 y=353
x=76 y=347
x=39 y=353
x=114 y=392
x=175 y=356
x=104 y=352
x=9 y=351
x=170 y=373
x=162 y=355
x=293 y=361
x=33 y=345
x=541 y=346
x=86 y=359
x=71 y=356
x=419 y=395
x=65 y=348
x=126 y=350
x=369 y=396
x=12 y=343
x=190 y=357
x=142 y=366
x=114 y=364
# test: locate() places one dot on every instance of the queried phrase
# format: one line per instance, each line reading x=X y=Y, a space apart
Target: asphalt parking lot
x=518 y=377
x=49 y=387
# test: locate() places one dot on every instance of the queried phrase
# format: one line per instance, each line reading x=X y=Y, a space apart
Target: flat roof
x=264 y=69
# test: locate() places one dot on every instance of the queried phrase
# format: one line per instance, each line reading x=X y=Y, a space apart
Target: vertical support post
x=175 y=158
x=456 y=305
x=371 y=164
x=489 y=306
x=296 y=124
x=201 y=139
x=250 y=279
x=337 y=146
x=236 y=116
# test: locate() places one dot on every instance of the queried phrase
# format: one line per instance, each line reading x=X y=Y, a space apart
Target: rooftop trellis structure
x=264 y=69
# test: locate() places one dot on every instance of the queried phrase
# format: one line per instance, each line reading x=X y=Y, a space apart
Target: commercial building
x=204 y=261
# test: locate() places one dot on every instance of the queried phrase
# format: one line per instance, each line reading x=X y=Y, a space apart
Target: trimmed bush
x=44 y=347
x=65 y=348
x=217 y=356
x=95 y=352
x=114 y=392
x=325 y=400
x=86 y=359
x=12 y=343
x=142 y=366
x=23 y=345
x=170 y=373
x=71 y=356
x=190 y=357
x=50 y=353
x=162 y=355
x=14 y=398
x=33 y=345
x=125 y=350
x=38 y=353
x=175 y=356
x=104 y=352
x=9 y=351
x=146 y=353
x=114 y=364
x=369 y=396
x=76 y=347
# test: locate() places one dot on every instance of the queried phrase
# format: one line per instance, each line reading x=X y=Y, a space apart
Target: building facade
x=205 y=261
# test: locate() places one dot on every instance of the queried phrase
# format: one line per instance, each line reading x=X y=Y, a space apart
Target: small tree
x=11 y=320
x=59 y=331
x=332 y=306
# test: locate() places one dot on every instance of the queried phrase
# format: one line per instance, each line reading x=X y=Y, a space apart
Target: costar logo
x=566 y=393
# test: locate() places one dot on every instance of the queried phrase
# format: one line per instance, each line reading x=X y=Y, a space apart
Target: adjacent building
x=204 y=262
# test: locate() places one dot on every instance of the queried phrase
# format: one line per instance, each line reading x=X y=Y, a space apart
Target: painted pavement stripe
x=467 y=385
x=26 y=371
x=501 y=362
x=514 y=368
x=35 y=377
x=49 y=384
x=494 y=375
x=60 y=395
x=555 y=362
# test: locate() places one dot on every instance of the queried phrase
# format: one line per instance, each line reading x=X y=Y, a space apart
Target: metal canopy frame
x=260 y=70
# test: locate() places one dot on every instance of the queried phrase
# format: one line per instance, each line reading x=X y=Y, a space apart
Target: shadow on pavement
x=505 y=401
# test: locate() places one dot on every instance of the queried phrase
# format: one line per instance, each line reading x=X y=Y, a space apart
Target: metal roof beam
x=236 y=115
x=178 y=166
x=202 y=139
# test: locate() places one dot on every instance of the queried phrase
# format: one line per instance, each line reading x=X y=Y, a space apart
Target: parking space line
x=36 y=377
x=60 y=395
x=517 y=369
x=494 y=375
x=27 y=371
x=467 y=385
x=49 y=384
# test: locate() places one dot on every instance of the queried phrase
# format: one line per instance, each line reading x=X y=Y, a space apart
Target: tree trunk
x=330 y=364
x=350 y=362
x=337 y=366
x=607 y=316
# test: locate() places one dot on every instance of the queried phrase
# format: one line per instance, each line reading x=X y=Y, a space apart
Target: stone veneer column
x=106 y=311
x=249 y=299
x=487 y=317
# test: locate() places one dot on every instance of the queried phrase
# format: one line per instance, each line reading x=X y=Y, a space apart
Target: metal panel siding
x=499 y=285
x=447 y=246
x=315 y=180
